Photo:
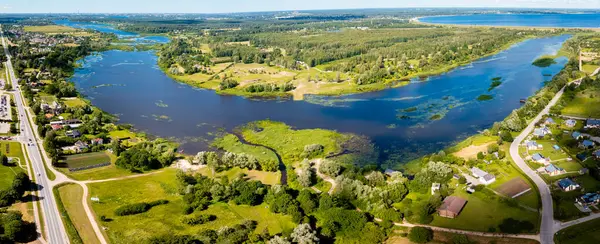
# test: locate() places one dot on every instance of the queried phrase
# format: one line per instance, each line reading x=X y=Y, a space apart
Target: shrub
x=514 y=226
x=420 y=235
x=137 y=208
x=197 y=219
x=312 y=150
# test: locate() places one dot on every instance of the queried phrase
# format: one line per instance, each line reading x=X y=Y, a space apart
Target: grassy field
x=482 y=212
x=585 y=104
x=121 y=134
x=75 y=102
x=87 y=159
x=550 y=152
x=584 y=233
x=231 y=143
x=70 y=196
x=590 y=68
x=72 y=232
x=7 y=173
x=50 y=29
x=289 y=143
x=164 y=219
x=269 y=178
x=106 y=172
x=447 y=237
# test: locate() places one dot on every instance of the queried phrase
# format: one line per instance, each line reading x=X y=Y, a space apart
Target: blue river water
x=130 y=85
x=587 y=20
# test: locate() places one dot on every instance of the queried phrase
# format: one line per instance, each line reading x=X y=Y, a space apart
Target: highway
x=51 y=217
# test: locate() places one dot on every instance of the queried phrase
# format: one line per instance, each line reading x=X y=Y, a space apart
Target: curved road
x=549 y=226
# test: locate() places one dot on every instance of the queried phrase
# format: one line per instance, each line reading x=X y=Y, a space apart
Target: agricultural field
x=164 y=219
x=87 y=159
x=50 y=29
x=268 y=178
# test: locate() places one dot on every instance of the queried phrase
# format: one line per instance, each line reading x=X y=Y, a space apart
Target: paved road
x=549 y=226
x=52 y=219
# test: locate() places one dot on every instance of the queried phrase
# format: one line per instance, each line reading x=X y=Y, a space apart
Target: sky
x=228 y=6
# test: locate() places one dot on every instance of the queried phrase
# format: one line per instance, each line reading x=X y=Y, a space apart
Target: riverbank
x=515 y=27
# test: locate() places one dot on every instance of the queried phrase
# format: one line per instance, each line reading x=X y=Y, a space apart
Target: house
x=541 y=132
x=59 y=122
x=470 y=190
x=553 y=170
x=567 y=184
x=588 y=199
x=587 y=144
x=81 y=145
x=56 y=127
x=451 y=207
x=435 y=187
x=73 y=133
x=549 y=121
x=45 y=107
x=571 y=123
x=597 y=154
x=97 y=141
x=583 y=171
x=576 y=135
x=539 y=158
x=484 y=177
x=556 y=147
x=73 y=123
x=532 y=145
x=592 y=123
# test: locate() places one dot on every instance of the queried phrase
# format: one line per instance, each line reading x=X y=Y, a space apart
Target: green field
x=7 y=173
x=76 y=102
x=231 y=143
x=289 y=143
x=590 y=68
x=87 y=159
x=121 y=134
x=585 y=233
x=482 y=212
x=70 y=196
x=164 y=219
x=585 y=104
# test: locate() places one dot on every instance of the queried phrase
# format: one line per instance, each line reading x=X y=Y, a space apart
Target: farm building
x=451 y=207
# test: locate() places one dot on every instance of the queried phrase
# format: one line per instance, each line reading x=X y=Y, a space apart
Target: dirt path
x=325 y=177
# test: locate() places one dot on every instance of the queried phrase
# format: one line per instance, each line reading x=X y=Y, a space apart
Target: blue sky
x=224 y=6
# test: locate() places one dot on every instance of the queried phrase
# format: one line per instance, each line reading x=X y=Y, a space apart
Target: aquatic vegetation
x=435 y=117
x=495 y=83
x=161 y=104
x=429 y=111
x=162 y=118
x=485 y=97
x=544 y=62
x=391 y=126
x=411 y=109
x=107 y=85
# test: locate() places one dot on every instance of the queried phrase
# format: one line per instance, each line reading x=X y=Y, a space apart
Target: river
x=130 y=85
x=581 y=20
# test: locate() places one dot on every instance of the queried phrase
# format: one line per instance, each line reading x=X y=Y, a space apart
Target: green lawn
x=75 y=102
x=164 y=219
x=584 y=233
x=121 y=134
x=107 y=172
x=585 y=104
x=7 y=173
x=590 y=68
x=550 y=152
x=482 y=212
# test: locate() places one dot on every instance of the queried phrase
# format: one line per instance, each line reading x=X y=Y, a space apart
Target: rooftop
x=566 y=182
x=552 y=168
x=453 y=204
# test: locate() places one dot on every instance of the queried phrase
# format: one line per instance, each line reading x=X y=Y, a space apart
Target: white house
x=484 y=177
x=532 y=145
x=435 y=187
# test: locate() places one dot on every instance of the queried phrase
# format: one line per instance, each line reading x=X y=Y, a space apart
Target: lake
x=587 y=20
x=130 y=85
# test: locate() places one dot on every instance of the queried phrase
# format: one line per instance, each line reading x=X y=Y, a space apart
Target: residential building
x=576 y=135
x=541 y=132
x=549 y=121
x=592 y=123
x=597 y=154
x=556 y=147
x=588 y=199
x=571 y=123
x=567 y=184
x=587 y=144
x=539 y=158
x=532 y=145
x=451 y=207
x=73 y=133
x=81 y=145
x=97 y=141
x=554 y=170
x=56 y=127
x=484 y=177
x=390 y=172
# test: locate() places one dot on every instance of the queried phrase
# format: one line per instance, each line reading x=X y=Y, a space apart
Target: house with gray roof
x=554 y=170
x=484 y=177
